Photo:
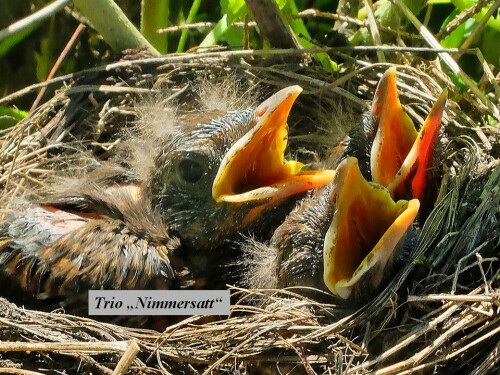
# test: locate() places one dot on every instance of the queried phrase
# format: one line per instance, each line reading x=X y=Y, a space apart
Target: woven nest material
x=439 y=313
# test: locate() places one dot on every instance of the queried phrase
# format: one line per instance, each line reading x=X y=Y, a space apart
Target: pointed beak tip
x=295 y=89
x=352 y=162
x=390 y=73
x=344 y=168
x=343 y=291
x=278 y=99
x=442 y=99
x=255 y=163
x=410 y=212
x=415 y=203
x=386 y=94
x=389 y=77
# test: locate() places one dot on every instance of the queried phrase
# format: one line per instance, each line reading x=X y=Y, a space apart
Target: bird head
x=219 y=175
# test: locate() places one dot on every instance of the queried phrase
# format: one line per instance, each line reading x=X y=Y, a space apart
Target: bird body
x=294 y=255
x=342 y=238
x=59 y=251
x=211 y=178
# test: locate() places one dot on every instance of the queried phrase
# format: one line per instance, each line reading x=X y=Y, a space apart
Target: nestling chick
x=342 y=238
x=214 y=175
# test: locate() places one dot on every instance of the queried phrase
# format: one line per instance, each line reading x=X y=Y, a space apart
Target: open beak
x=416 y=164
x=255 y=169
x=400 y=155
x=365 y=231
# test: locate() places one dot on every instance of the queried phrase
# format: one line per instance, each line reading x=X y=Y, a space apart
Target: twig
x=428 y=350
x=479 y=28
x=461 y=18
x=18 y=371
x=97 y=346
x=374 y=29
x=418 y=331
x=60 y=60
x=273 y=26
x=455 y=298
x=189 y=57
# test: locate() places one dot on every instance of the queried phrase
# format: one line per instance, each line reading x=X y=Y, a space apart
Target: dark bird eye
x=190 y=170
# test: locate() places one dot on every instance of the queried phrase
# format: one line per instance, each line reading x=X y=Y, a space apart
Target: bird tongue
x=400 y=155
x=255 y=169
x=367 y=226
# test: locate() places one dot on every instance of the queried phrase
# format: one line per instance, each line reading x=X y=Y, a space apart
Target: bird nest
x=440 y=312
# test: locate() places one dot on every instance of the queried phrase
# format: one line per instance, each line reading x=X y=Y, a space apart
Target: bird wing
x=53 y=253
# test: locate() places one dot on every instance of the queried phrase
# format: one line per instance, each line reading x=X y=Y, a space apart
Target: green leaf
x=361 y=37
x=389 y=15
x=458 y=36
x=216 y=33
x=438 y=2
x=154 y=16
x=234 y=37
x=386 y=14
x=7 y=44
x=488 y=44
x=193 y=11
x=10 y=117
x=322 y=57
x=466 y=4
x=458 y=82
x=114 y=26
x=234 y=9
x=298 y=26
x=493 y=121
x=45 y=59
x=282 y=3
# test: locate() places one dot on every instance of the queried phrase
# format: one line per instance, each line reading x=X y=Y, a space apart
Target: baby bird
x=400 y=158
x=342 y=238
x=214 y=175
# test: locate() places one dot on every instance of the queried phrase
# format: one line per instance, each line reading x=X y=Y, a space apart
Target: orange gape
x=400 y=155
x=416 y=164
x=395 y=133
x=366 y=227
x=255 y=169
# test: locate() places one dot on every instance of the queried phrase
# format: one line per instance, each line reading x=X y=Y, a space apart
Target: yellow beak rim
x=366 y=228
x=255 y=169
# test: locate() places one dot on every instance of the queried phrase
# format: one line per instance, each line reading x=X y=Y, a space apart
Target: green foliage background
x=28 y=56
